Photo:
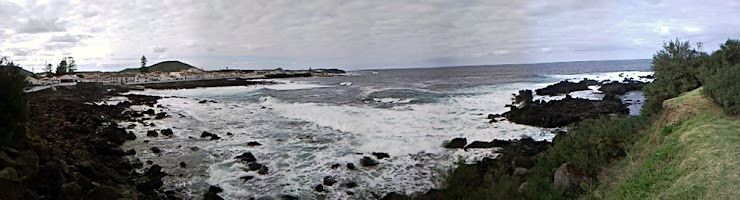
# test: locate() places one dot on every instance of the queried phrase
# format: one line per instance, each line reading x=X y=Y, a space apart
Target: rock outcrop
x=562 y=112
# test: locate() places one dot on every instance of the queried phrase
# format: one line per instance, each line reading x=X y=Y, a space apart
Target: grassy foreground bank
x=692 y=151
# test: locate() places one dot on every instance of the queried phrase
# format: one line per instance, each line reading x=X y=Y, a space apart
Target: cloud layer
x=111 y=35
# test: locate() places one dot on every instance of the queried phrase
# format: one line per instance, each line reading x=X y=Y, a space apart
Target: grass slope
x=691 y=152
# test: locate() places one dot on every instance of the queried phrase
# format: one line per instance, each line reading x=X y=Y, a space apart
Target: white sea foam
x=613 y=76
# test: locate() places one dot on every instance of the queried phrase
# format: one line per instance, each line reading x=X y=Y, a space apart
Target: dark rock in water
x=246 y=157
x=149 y=162
x=350 y=184
x=136 y=164
x=161 y=115
x=149 y=112
x=263 y=170
x=155 y=150
x=207 y=134
x=212 y=193
x=492 y=121
x=381 y=155
x=203 y=101
x=368 y=162
x=194 y=148
x=568 y=177
x=130 y=152
x=253 y=166
x=229 y=133
x=319 y=188
x=479 y=145
x=167 y=132
x=253 y=143
x=115 y=135
x=152 y=179
x=457 y=143
x=183 y=165
x=152 y=133
x=493 y=116
x=559 y=113
x=288 y=197
x=351 y=166
x=524 y=97
x=246 y=178
x=617 y=88
x=500 y=143
x=523 y=162
x=395 y=196
x=130 y=136
x=350 y=193
x=565 y=87
x=329 y=181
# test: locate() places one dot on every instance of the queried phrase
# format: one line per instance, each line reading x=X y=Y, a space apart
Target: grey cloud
x=35 y=25
x=69 y=38
x=159 y=49
x=21 y=51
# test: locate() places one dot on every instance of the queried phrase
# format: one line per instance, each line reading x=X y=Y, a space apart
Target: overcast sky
x=112 y=35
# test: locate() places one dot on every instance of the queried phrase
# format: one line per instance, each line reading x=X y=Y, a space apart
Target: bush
x=721 y=75
x=676 y=71
x=13 y=106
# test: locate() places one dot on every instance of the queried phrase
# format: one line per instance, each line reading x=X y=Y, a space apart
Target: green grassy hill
x=691 y=152
x=166 y=66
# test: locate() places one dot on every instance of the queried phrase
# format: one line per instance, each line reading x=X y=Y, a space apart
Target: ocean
x=306 y=125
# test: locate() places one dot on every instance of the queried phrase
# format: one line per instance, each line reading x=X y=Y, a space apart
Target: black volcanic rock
x=152 y=133
x=368 y=162
x=167 y=132
x=212 y=193
x=351 y=166
x=381 y=155
x=253 y=143
x=479 y=145
x=329 y=181
x=617 y=88
x=457 y=143
x=559 y=113
x=207 y=134
x=565 y=87
x=246 y=157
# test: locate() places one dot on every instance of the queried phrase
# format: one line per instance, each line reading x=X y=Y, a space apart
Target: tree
x=13 y=105
x=49 y=69
x=676 y=68
x=143 y=64
x=71 y=66
x=62 y=67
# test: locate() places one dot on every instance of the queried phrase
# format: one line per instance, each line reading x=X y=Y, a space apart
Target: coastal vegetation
x=684 y=144
x=13 y=105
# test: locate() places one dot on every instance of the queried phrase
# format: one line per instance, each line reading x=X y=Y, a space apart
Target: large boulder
x=115 y=135
x=557 y=113
x=381 y=155
x=457 y=143
x=568 y=177
x=246 y=157
x=212 y=193
x=167 y=132
x=210 y=135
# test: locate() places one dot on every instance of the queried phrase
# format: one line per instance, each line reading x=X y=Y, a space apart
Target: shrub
x=721 y=75
x=13 y=106
x=676 y=71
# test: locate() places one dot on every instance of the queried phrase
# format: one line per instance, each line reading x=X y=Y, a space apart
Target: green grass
x=692 y=152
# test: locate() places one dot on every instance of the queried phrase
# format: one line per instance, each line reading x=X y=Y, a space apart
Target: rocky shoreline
x=202 y=83
x=73 y=149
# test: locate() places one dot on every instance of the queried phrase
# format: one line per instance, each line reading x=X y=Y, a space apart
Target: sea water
x=306 y=125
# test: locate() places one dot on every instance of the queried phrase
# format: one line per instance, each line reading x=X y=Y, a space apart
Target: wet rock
x=115 y=135
x=457 y=143
x=524 y=98
x=254 y=166
x=565 y=87
x=568 y=177
x=479 y=145
x=203 y=101
x=351 y=166
x=183 y=165
x=334 y=166
x=617 y=88
x=149 y=112
x=212 y=193
x=246 y=157
x=395 y=196
x=288 y=197
x=149 y=162
x=368 y=162
x=253 y=143
x=160 y=115
x=381 y=155
x=350 y=193
x=562 y=112
x=246 y=178
x=167 y=132
x=130 y=136
x=350 y=184
x=263 y=170
x=319 y=188
x=493 y=116
x=194 y=148
x=207 y=134
x=155 y=150
x=130 y=152
x=329 y=181
x=152 y=133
